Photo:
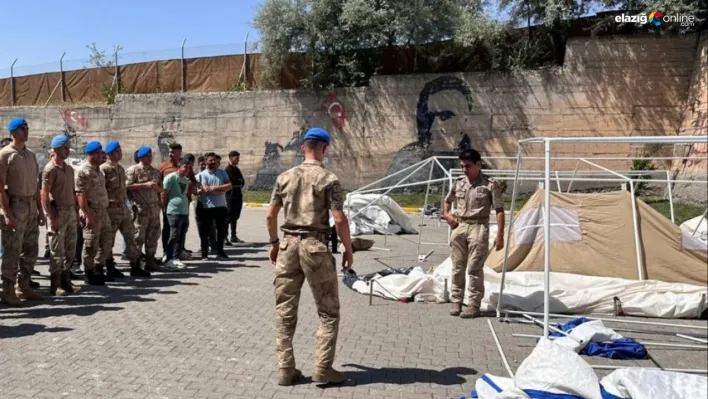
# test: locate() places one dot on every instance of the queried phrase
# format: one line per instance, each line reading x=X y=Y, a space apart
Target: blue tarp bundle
x=619 y=349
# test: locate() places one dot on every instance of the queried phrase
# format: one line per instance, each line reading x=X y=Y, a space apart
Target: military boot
x=456 y=309
x=33 y=284
x=93 y=277
x=470 y=313
x=136 y=271
x=55 y=285
x=9 y=296
x=111 y=269
x=65 y=282
x=151 y=265
x=327 y=376
x=25 y=291
x=289 y=376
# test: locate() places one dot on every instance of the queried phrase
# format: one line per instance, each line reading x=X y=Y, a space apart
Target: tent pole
x=645 y=343
x=689 y=337
x=407 y=168
x=671 y=196
x=425 y=205
x=699 y=222
x=547 y=238
x=570 y=185
x=647 y=323
x=637 y=247
x=389 y=190
x=501 y=351
x=651 y=368
x=508 y=232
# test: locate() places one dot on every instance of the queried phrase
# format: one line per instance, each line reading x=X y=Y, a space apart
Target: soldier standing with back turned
x=22 y=211
x=474 y=195
x=306 y=193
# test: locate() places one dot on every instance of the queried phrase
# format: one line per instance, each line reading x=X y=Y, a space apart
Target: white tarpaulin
x=383 y=216
x=553 y=371
x=570 y=293
x=689 y=227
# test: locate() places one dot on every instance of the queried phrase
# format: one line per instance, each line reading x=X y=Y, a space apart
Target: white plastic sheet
x=570 y=293
x=689 y=227
x=554 y=369
x=384 y=216
x=638 y=383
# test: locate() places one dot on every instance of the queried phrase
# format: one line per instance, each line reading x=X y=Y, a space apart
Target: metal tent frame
x=548 y=146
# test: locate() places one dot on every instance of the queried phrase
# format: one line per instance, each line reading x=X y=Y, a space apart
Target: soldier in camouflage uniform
x=62 y=212
x=118 y=212
x=144 y=182
x=93 y=202
x=306 y=193
x=22 y=215
x=474 y=195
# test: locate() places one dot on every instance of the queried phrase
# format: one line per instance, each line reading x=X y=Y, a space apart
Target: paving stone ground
x=208 y=332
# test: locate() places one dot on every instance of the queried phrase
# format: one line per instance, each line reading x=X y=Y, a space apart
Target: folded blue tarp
x=619 y=349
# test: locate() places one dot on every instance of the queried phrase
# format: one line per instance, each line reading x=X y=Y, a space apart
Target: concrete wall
x=695 y=123
x=613 y=86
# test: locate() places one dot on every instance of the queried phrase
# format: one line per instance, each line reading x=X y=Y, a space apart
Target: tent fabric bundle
x=618 y=348
x=593 y=235
x=383 y=216
x=555 y=372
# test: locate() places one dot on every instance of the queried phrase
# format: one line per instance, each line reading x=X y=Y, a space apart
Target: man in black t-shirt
x=234 y=198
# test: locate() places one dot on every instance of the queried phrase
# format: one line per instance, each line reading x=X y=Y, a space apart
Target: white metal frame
x=596 y=176
x=548 y=142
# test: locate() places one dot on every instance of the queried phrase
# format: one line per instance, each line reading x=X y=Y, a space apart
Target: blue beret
x=317 y=134
x=145 y=150
x=92 y=147
x=16 y=123
x=59 y=140
x=112 y=146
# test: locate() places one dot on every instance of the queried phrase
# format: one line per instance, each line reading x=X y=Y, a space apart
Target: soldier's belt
x=64 y=207
x=24 y=198
x=474 y=220
x=318 y=235
x=139 y=205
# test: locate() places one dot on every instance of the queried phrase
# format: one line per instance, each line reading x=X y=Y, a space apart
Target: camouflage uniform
x=146 y=210
x=118 y=211
x=59 y=180
x=19 y=170
x=97 y=240
x=304 y=254
x=470 y=239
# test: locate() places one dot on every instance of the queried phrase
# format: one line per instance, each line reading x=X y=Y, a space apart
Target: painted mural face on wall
x=441 y=104
x=278 y=158
x=163 y=144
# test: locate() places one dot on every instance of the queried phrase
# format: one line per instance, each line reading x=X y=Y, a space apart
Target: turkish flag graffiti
x=335 y=110
x=75 y=118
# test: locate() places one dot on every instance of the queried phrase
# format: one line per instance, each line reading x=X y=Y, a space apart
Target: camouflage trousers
x=62 y=243
x=98 y=245
x=122 y=220
x=469 y=247
x=21 y=244
x=300 y=259
x=147 y=227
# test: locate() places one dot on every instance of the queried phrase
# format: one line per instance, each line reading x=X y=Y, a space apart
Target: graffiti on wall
x=74 y=119
x=168 y=127
x=434 y=109
x=278 y=158
x=335 y=110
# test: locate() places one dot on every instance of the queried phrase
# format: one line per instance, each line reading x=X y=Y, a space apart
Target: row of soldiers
x=93 y=197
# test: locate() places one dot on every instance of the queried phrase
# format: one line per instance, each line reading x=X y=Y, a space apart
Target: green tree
x=342 y=39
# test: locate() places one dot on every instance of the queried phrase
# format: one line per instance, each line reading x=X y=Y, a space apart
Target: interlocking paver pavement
x=208 y=332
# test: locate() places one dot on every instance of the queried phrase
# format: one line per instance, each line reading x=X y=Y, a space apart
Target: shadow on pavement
x=401 y=376
x=25 y=330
